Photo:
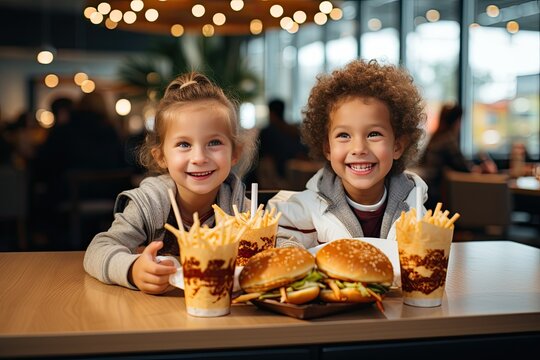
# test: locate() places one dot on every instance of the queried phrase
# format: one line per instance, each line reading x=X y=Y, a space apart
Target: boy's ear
x=399 y=147
x=157 y=154
x=326 y=150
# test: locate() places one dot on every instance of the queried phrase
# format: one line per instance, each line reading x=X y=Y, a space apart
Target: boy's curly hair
x=360 y=78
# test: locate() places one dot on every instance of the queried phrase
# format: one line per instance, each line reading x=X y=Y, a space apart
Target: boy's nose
x=358 y=147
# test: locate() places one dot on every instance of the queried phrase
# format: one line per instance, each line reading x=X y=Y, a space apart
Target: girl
x=195 y=143
x=365 y=121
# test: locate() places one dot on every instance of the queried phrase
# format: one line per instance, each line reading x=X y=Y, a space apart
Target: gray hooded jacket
x=139 y=217
x=321 y=213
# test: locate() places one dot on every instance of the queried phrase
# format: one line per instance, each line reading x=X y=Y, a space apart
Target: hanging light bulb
x=46 y=54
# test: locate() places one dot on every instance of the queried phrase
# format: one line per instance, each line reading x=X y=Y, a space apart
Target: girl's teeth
x=202 y=173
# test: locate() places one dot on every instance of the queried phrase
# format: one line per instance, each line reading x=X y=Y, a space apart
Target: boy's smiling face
x=362 y=147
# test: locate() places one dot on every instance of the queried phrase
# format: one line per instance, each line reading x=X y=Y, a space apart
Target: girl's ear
x=399 y=147
x=157 y=154
x=236 y=153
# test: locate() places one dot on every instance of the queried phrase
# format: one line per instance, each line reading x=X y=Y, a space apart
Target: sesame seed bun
x=355 y=261
x=303 y=296
x=275 y=267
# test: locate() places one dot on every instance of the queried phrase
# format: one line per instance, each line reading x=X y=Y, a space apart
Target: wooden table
x=49 y=307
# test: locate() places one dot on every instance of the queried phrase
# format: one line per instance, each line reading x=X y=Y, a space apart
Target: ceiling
x=70 y=6
x=237 y=22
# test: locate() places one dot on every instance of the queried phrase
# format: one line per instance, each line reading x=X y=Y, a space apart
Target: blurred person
x=520 y=162
x=278 y=143
x=62 y=109
x=84 y=141
x=20 y=139
x=132 y=148
x=443 y=153
x=198 y=151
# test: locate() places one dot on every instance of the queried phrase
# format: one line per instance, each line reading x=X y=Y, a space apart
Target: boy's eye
x=215 y=142
x=374 y=133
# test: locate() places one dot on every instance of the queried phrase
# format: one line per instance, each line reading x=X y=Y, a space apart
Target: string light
x=51 y=80
x=151 y=15
x=214 y=18
x=45 y=57
x=198 y=10
x=256 y=26
x=219 y=19
x=237 y=5
x=123 y=107
x=276 y=10
x=136 y=5
x=177 y=30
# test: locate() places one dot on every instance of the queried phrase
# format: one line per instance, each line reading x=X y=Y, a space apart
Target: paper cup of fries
x=208 y=258
x=424 y=250
x=260 y=233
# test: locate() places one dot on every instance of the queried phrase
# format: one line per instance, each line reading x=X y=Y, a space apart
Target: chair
x=92 y=194
x=298 y=172
x=13 y=202
x=482 y=200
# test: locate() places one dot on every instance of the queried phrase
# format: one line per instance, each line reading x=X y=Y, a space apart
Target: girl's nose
x=199 y=155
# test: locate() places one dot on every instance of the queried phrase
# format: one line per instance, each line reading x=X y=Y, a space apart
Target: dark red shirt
x=371 y=221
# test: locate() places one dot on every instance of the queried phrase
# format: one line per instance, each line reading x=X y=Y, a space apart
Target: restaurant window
x=253 y=111
x=504 y=58
x=341 y=43
x=432 y=53
x=310 y=63
x=379 y=24
x=280 y=62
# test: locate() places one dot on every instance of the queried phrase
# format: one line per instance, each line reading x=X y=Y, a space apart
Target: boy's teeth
x=359 y=167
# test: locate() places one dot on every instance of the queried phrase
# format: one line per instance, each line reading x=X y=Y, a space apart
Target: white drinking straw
x=418 y=203
x=254 y=200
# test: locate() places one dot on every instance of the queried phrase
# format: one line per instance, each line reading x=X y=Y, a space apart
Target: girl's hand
x=149 y=276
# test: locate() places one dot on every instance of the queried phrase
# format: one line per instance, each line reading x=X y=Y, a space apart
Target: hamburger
x=355 y=272
x=285 y=274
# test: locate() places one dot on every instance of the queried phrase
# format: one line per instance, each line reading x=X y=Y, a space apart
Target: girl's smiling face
x=361 y=147
x=197 y=148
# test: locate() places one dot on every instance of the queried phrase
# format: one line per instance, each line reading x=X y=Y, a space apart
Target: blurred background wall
x=483 y=54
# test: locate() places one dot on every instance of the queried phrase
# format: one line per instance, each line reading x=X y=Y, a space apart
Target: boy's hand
x=149 y=276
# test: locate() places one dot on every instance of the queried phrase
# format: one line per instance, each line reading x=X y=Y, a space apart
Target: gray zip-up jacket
x=139 y=217
x=321 y=213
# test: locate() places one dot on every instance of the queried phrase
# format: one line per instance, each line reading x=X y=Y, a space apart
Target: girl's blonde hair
x=185 y=89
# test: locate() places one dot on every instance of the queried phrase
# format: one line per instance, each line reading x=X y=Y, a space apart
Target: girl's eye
x=343 y=135
x=183 y=144
x=374 y=133
x=215 y=142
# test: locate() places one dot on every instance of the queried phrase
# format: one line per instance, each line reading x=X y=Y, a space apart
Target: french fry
x=452 y=220
x=437 y=209
x=408 y=223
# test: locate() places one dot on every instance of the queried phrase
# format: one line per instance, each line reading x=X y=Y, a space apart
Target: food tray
x=309 y=310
